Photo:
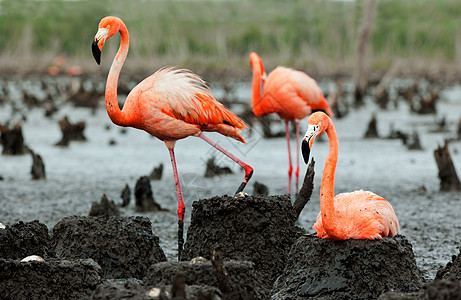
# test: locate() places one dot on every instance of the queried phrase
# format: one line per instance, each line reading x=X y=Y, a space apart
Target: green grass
x=207 y=34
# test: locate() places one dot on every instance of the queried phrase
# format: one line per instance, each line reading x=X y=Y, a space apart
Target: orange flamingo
x=171 y=104
x=292 y=94
x=356 y=215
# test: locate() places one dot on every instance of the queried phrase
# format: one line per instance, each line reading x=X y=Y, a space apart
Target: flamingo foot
x=248 y=174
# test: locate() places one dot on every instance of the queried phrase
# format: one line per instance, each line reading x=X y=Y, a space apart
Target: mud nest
x=352 y=269
x=23 y=239
x=53 y=279
x=253 y=228
x=124 y=247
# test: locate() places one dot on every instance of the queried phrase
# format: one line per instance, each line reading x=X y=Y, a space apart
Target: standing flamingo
x=291 y=94
x=171 y=104
x=356 y=215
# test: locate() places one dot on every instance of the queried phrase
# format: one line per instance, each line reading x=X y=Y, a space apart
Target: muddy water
x=79 y=174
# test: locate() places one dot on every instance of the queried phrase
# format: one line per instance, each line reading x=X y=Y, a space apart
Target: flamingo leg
x=290 y=168
x=297 y=155
x=181 y=206
x=247 y=168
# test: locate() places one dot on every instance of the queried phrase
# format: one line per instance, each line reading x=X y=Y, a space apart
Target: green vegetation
x=220 y=34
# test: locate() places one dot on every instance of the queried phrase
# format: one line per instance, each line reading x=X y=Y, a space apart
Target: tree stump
x=449 y=180
x=104 y=208
x=214 y=170
x=225 y=284
x=260 y=189
x=144 y=198
x=12 y=140
x=413 y=142
x=156 y=173
x=306 y=190
x=71 y=132
x=372 y=131
x=426 y=105
x=38 y=167
x=126 y=196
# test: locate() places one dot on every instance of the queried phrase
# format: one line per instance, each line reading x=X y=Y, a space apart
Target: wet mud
x=255 y=228
x=265 y=255
x=124 y=247
x=351 y=269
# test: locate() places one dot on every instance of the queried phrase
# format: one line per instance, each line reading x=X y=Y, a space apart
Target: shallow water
x=79 y=174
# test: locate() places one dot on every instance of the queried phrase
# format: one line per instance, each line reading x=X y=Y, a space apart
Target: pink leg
x=181 y=206
x=290 y=168
x=297 y=155
x=247 y=168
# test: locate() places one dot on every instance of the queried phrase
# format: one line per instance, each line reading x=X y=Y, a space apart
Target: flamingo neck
x=113 y=110
x=256 y=89
x=327 y=187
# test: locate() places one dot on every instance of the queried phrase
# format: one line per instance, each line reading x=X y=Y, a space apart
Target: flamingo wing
x=183 y=100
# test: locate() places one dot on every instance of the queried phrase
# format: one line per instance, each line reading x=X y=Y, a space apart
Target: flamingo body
x=291 y=94
x=359 y=215
x=356 y=215
x=171 y=104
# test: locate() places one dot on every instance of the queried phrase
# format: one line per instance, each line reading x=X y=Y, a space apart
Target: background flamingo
x=356 y=215
x=170 y=105
x=291 y=94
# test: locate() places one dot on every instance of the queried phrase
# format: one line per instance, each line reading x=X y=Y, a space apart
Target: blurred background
x=319 y=37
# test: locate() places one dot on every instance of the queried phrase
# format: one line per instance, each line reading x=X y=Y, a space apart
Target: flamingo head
x=257 y=62
x=317 y=123
x=108 y=26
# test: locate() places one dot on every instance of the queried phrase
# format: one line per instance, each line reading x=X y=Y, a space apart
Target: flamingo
x=356 y=215
x=292 y=94
x=171 y=104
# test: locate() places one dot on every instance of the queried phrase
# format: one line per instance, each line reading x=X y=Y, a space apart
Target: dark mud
x=446 y=285
x=352 y=269
x=53 y=279
x=254 y=228
x=202 y=273
x=265 y=255
x=23 y=239
x=124 y=247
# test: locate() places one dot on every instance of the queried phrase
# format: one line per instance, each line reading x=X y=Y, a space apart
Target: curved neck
x=113 y=110
x=256 y=86
x=327 y=187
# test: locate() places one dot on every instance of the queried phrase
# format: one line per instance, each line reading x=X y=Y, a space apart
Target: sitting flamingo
x=356 y=215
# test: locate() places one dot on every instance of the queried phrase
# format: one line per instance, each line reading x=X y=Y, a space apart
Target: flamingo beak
x=308 y=140
x=96 y=51
x=98 y=43
x=305 y=149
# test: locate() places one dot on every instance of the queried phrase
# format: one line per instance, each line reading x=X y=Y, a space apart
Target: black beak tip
x=96 y=52
x=305 y=151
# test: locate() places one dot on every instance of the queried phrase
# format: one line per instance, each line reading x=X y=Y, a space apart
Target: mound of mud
x=53 y=279
x=23 y=239
x=352 y=269
x=439 y=289
x=241 y=273
x=119 y=291
x=124 y=247
x=252 y=228
x=452 y=270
